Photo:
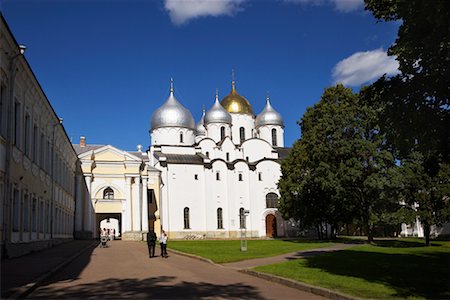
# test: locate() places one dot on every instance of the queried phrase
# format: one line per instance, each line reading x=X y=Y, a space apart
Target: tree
x=414 y=105
x=339 y=170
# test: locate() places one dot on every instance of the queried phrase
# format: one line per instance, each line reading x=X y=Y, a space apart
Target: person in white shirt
x=163 y=244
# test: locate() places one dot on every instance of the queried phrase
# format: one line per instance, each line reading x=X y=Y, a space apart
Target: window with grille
x=108 y=193
x=271 y=200
x=186 y=218
x=219 y=218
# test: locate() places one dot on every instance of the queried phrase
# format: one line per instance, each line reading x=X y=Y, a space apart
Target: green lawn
x=387 y=270
x=222 y=251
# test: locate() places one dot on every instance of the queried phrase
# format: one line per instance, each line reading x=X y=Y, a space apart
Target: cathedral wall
x=242 y=120
x=257 y=149
x=213 y=131
x=265 y=133
x=172 y=136
x=178 y=150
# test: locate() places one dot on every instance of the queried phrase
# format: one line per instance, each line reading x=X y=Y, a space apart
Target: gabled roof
x=87 y=148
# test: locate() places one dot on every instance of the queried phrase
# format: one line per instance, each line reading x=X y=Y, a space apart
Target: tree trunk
x=426 y=232
x=369 y=233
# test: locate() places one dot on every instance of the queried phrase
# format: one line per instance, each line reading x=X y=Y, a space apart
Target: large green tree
x=413 y=106
x=340 y=169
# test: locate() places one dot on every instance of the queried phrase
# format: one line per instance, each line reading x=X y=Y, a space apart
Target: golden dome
x=235 y=103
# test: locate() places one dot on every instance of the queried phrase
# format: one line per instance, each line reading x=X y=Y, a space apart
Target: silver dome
x=269 y=116
x=172 y=114
x=200 y=127
x=217 y=114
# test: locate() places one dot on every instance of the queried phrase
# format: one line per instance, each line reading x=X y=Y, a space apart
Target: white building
x=219 y=176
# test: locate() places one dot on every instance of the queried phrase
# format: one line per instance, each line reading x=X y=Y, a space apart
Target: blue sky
x=106 y=65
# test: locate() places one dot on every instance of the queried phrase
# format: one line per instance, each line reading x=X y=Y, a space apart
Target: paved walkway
x=251 y=263
x=18 y=272
x=124 y=270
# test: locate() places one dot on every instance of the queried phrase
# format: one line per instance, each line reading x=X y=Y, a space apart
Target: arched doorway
x=271 y=226
x=110 y=221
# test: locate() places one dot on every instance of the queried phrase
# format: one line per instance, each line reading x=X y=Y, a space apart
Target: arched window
x=222 y=132
x=108 y=193
x=241 y=218
x=242 y=134
x=228 y=156
x=219 y=218
x=186 y=218
x=240 y=177
x=181 y=137
x=271 y=200
x=217 y=175
x=274 y=137
x=207 y=154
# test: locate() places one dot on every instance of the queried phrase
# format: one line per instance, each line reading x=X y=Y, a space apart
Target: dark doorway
x=271 y=226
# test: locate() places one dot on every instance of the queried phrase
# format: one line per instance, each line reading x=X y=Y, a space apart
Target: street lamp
x=244 y=229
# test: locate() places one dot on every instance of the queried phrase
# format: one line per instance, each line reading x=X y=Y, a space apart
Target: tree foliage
x=340 y=170
x=413 y=106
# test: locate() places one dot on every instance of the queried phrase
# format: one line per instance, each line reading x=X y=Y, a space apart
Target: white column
x=127 y=219
x=88 y=178
x=78 y=204
x=88 y=204
x=144 y=205
x=136 y=204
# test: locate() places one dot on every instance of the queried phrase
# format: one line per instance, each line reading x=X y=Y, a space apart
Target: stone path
x=251 y=263
x=124 y=271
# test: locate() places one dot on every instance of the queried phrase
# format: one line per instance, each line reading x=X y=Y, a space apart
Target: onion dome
x=217 y=114
x=172 y=114
x=269 y=116
x=235 y=103
x=200 y=127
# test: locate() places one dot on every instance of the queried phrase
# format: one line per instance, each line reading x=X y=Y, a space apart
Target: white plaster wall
x=256 y=149
x=238 y=121
x=213 y=131
x=178 y=150
x=171 y=136
x=265 y=133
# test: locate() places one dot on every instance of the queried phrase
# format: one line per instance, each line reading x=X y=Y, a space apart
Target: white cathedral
x=218 y=177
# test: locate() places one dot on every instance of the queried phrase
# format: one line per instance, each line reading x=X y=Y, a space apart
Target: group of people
x=151 y=243
x=108 y=232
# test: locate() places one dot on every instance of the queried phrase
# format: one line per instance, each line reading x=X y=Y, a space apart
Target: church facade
x=218 y=177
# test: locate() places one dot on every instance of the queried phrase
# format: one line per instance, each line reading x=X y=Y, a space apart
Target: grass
x=389 y=269
x=223 y=251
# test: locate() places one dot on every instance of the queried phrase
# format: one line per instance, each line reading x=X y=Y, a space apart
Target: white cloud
x=363 y=67
x=181 y=11
x=340 y=5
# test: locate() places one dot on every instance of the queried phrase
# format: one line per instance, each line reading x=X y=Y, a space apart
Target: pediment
x=110 y=154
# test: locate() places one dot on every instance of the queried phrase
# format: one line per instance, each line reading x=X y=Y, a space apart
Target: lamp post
x=244 y=230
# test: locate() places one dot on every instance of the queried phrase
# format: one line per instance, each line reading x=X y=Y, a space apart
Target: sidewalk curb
x=195 y=257
x=299 y=285
x=26 y=289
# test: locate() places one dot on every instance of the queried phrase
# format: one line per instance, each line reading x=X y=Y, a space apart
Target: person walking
x=163 y=244
x=151 y=242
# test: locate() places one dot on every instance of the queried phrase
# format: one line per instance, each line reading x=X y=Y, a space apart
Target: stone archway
x=271 y=226
x=110 y=221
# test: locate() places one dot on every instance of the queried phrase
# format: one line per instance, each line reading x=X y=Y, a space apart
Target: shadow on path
x=150 y=288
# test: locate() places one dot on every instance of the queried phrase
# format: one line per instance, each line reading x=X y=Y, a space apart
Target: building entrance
x=271 y=226
x=109 y=224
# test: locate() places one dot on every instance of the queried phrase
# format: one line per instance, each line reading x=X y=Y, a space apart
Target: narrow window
x=16 y=136
x=108 y=193
x=35 y=144
x=219 y=218
x=228 y=156
x=260 y=176
x=34 y=215
x=196 y=176
x=241 y=218
x=41 y=216
x=222 y=132
x=16 y=211
x=271 y=200
x=26 y=136
x=274 y=137
x=242 y=134
x=246 y=158
x=240 y=176
x=41 y=151
x=26 y=213
x=217 y=175
x=181 y=137
x=186 y=218
x=207 y=154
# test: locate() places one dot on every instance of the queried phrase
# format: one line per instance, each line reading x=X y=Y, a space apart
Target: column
x=144 y=205
x=127 y=214
x=88 y=204
x=136 y=204
x=78 y=204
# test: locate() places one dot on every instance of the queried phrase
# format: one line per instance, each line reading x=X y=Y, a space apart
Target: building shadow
x=425 y=274
x=151 y=288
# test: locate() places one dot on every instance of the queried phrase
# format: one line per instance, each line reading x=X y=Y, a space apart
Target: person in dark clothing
x=151 y=242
